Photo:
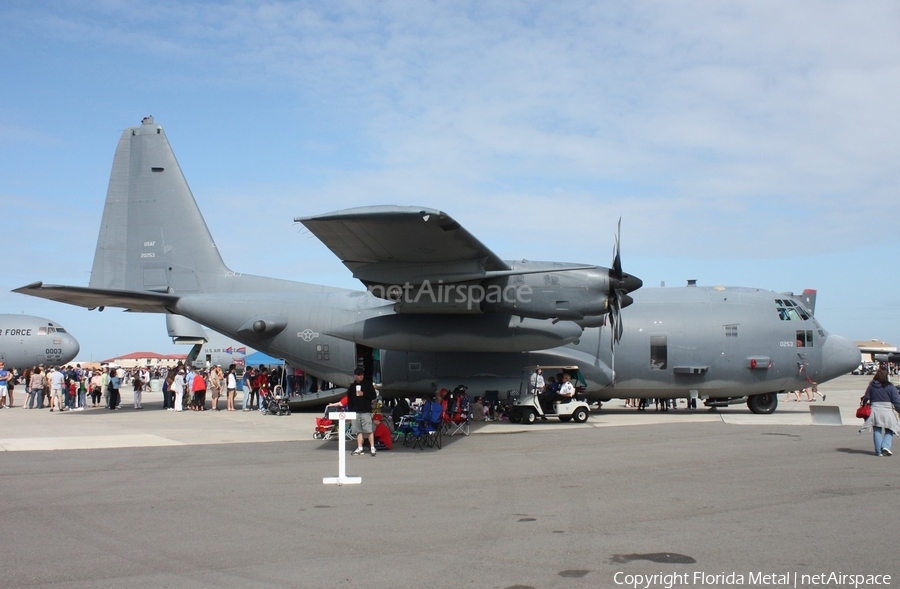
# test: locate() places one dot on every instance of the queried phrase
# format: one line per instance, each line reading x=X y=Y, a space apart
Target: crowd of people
x=184 y=387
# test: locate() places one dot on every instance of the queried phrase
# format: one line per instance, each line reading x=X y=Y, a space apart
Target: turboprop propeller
x=620 y=284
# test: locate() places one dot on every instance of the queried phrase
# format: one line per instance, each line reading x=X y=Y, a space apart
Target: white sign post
x=342 y=478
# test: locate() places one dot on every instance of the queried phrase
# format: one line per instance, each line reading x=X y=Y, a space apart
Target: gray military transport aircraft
x=27 y=341
x=443 y=308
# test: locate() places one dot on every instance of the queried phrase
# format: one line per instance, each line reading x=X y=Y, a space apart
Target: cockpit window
x=804 y=338
x=789 y=310
x=42 y=331
x=60 y=330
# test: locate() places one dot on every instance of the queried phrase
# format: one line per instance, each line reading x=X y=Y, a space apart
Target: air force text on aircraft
x=470 y=294
x=16 y=332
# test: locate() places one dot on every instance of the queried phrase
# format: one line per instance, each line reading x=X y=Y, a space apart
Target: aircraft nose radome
x=73 y=347
x=839 y=356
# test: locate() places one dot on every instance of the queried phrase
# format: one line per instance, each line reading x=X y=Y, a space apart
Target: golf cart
x=528 y=409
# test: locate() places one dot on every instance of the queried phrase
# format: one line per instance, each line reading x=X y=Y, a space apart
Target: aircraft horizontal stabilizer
x=90 y=298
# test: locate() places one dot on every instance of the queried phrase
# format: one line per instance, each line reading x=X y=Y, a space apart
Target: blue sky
x=742 y=143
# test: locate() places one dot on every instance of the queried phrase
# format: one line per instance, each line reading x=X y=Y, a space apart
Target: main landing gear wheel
x=763 y=404
x=580 y=415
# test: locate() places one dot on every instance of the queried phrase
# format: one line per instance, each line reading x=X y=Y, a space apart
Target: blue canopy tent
x=257 y=358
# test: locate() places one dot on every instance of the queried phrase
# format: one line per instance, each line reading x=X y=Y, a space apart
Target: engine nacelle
x=458 y=333
x=554 y=294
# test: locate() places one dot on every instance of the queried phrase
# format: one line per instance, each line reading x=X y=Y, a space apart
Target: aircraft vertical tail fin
x=152 y=236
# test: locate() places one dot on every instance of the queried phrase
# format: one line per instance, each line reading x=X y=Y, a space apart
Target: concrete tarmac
x=219 y=499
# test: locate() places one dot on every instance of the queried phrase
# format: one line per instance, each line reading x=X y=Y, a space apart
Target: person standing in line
x=300 y=382
x=215 y=386
x=45 y=393
x=230 y=388
x=114 y=382
x=247 y=387
x=198 y=388
x=136 y=387
x=260 y=387
x=69 y=391
x=96 y=389
x=178 y=389
x=884 y=399
x=223 y=382
x=82 y=392
x=359 y=399
x=37 y=389
x=5 y=377
x=26 y=379
x=104 y=383
x=142 y=380
x=168 y=393
x=287 y=377
x=80 y=387
x=189 y=375
x=57 y=382
x=11 y=382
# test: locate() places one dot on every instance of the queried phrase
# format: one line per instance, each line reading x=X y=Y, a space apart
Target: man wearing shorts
x=57 y=395
x=5 y=377
x=360 y=396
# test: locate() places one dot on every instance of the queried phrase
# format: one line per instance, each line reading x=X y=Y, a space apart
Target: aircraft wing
x=397 y=244
x=146 y=302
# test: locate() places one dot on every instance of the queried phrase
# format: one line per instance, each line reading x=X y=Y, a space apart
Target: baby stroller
x=274 y=402
x=327 y=429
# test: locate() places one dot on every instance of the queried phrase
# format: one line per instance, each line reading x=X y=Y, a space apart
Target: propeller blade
x=620 y=284
x=617 y=257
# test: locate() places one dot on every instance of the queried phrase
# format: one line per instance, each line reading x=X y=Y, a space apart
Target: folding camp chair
x=459 y=423
x=433 y=424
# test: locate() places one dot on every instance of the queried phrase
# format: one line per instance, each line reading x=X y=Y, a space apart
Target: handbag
x=864 y=412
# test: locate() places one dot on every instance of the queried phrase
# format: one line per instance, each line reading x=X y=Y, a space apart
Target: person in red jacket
x=198 y=388
x=261 y=386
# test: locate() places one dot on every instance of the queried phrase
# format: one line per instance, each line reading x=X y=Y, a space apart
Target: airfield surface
x=218 y=499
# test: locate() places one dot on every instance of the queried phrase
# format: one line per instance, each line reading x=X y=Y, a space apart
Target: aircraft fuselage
x=27 y=341
x=678 y=342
